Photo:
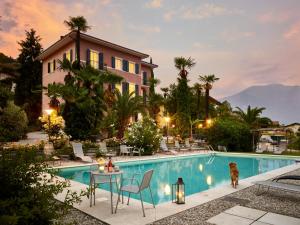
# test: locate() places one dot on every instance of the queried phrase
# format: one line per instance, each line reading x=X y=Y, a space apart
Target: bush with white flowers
x=144 y=134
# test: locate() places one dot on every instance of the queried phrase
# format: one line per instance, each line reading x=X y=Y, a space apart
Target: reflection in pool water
x=196 y=173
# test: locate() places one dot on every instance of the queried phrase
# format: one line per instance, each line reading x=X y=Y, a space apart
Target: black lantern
x=178 y=192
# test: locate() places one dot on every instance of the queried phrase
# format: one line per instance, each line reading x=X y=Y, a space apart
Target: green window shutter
x=113 y=87
x=54 y=64
x=64 y=56
x=71 y=55
x=137 y=90
x=124 y=65
x=145 y=78
x=137 y=68
x=113 y=62
x=88 y=54
x=101 y=61
x=49 y=67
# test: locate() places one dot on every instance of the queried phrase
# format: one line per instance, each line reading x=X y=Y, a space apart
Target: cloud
x=293 y=31
x=207 y=11
x=272 y=17
x=168 y=16
x=145 y=29
x=233 y=35
x=154 y=4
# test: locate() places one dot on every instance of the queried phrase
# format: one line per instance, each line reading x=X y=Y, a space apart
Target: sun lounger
x=78 y=152
x=278 y=185
x=191 y=146
x=164 y=147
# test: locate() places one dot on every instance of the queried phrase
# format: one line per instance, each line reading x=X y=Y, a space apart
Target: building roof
x=292 y=124
x=149 y=64
x=71 y=37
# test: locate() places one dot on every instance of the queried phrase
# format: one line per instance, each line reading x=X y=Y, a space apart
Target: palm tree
x=77 y=24
x=125 y=106
x=54 y=92
x=153 y=82
x=251 y=116
x=198 y=88
x=165 y=91
x=208 y=81
x=182 y=64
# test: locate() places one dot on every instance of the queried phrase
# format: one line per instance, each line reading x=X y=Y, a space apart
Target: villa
x=100 y=54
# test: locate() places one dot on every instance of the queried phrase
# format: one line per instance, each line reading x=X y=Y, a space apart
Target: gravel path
x=274 y=201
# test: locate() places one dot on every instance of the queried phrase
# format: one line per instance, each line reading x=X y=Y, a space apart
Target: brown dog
x=234 y=174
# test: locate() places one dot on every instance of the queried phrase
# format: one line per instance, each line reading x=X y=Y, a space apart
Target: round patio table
x=98 y=177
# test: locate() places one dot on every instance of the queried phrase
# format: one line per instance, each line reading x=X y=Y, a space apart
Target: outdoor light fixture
x=200 y=125
x=178 y=192
x=49 y=111
x=208 y=122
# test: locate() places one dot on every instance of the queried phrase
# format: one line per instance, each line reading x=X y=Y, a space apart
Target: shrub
x=27 y=192
x=13 y=123
x=233 y=134
x=294 y=143
x=144 y=134
x=55 y=131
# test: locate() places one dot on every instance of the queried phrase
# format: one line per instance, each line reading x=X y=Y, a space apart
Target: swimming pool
x=199 y=172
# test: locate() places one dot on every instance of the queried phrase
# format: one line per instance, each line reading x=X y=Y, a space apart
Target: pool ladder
x=212 y=154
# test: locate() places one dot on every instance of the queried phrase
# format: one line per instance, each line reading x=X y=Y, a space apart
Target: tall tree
x=182 y=64
x=208 y=81
x=77 y=24
x=29 y=83
x=251 y=116
x=198 y=88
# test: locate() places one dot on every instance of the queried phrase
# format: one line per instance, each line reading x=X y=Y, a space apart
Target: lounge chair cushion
x=278 y=185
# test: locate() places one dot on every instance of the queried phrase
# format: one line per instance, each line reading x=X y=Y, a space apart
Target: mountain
x=282 y=102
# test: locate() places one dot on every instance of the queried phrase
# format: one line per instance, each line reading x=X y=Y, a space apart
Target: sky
x=244 y=43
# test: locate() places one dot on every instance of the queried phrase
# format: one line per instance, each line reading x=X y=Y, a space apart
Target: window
x=145 y=80
x=94 y=59
x=51 y=66
x=68 y=55
x=118 y=64
x=131 y=67
x=118 y=87
x=131 y=88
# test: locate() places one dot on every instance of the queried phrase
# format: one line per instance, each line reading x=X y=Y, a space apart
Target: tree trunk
x=78 y=48
x=206 y=103
x=198 y=104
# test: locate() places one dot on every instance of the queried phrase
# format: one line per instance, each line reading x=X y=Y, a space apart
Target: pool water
x=199 y=172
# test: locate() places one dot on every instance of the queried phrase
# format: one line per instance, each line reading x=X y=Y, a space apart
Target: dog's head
x=232 y=165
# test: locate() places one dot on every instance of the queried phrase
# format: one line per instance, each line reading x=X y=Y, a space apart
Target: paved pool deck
x=132 y=214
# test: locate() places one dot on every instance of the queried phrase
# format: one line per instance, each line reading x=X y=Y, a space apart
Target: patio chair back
x=187 y=143
x=103 y=147
x=123 y=149
x=177 y=144
x=146 y=180
x=163 y=145
x=77 y=148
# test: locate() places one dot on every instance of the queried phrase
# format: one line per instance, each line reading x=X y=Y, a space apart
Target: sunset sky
x=243 y=42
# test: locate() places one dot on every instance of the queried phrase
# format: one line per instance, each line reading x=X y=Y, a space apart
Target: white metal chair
x=136 y=188
x=164 y=147
x=177 y=146
x=124 y=149
x=78 y=152
x=137 y=150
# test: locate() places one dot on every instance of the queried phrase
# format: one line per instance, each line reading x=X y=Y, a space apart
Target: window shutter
x=124 y=65
x=127 y=66
x=101 y=63
x=88 y=54
x=113 y=62
x=113 y=87
x=54 y=65
x=123 y=87
x=71 y=55
x=144 y=78
x=137 y=68
x=49 y=67
x=137 y=90
x=64 y=56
